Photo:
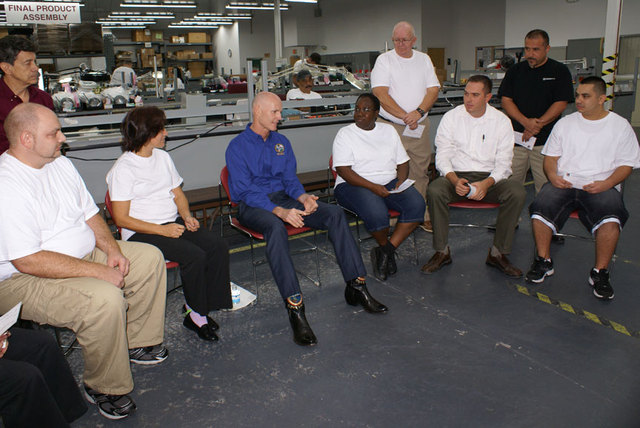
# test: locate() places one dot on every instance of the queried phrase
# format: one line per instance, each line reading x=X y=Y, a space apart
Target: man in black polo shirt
x=534 y=94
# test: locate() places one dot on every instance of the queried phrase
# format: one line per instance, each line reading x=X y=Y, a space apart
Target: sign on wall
x=42 y=13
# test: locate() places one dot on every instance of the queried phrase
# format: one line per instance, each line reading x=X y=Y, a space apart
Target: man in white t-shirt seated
x=474 y=148
x=303 y=91
x=58 y=257
x=587 y=156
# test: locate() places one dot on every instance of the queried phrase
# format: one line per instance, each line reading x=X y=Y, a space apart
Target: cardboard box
x=206 y=55
x=157 y=36
x=147 y=52
x=187 y=54
x=196 y=69
x=147 y=61
x=141 y=35
x=196 y=37
x=177 y=39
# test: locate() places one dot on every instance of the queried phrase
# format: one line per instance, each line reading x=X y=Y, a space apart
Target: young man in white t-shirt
x=588 y=154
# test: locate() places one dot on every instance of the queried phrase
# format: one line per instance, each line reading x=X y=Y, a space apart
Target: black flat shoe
x=204 y=332
x=212 y=324
x=356 y=293
x=302 y=333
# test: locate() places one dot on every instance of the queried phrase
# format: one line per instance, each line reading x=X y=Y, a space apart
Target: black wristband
x=422 y=112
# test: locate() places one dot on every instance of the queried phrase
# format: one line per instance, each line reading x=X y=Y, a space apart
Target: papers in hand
x=413 y=133
x=10 y=318
x=577 y=181
x=404 y=186
x=526 y=144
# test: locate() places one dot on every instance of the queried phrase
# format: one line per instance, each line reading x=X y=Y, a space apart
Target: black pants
x=37 y=388
x=204 y=266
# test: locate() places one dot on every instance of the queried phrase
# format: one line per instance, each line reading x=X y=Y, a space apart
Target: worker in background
x=124 y=75
x=303 y=64
x=406 y=84
x=588 y=154
x=534 y=94
x=303 y=91
x=20 y=74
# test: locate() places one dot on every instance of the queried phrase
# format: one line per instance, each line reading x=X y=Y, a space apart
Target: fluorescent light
x=120 y=26
x=192 y=26
x=155 y=3
x=255 y=6
x=234 y=16
x=189 y=22
x=139 y=15
x=302 y=1
x=126 y=24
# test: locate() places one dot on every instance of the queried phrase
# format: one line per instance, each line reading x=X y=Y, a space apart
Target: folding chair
x=254 y=235
x=476 y=205
x=171 y=266
x=392 y=214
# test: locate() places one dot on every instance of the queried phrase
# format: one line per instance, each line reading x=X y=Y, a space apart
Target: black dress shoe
x=380 y=262
x=212 y=324
x=302 y=333
x=356 y=293
x=204 y=332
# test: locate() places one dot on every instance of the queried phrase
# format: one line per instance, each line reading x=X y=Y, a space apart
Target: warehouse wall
x=564 y=21
x=225 y=38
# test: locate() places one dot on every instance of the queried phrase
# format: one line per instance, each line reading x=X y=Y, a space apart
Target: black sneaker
x=148 y=355
x=600 y=282
x=110 y=406
x=539 y=269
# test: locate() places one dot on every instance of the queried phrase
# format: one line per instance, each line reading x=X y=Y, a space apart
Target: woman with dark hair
x=150 y=206
x=372 y=164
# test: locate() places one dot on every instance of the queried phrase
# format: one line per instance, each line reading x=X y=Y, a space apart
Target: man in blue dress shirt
x=263 y=181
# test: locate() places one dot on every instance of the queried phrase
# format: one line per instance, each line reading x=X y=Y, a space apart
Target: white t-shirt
x=592 y=149
x=296 y=94
x=147 y=183
x=373 y=155
x=43 y=209
x=130 y=77
x=466 y=143
x=406 y=78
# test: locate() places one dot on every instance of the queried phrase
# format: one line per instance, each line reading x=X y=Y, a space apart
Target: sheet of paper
x=577 y=181
x=10 y=318
x=404 y=186
x=526 y=144
x=413 y=133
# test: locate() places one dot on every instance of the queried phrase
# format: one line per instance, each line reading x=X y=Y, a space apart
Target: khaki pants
x=107 y=320
x=522 y=160
x=419 y=151
x=508 y=193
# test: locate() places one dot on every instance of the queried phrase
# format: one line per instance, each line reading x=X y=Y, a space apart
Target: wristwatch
x=422 y=112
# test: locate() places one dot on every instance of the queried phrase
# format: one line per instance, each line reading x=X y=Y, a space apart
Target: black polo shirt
x=533 y=90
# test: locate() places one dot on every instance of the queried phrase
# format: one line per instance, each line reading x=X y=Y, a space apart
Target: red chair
x=170 y=265
x=392 y=214
x=475 y=205
x=255 y=235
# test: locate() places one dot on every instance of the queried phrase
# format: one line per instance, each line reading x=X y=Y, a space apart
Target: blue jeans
x=374 y=209
x=326 y=217
x=553 y=206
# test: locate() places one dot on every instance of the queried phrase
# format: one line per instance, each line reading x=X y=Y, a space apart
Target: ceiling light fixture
x=139 y=15
x=156 y=3
x=192 y=26
x=254 y=6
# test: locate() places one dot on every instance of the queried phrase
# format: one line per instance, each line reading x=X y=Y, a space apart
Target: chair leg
x=415 y=245
x=253 y=264
x=315 y=244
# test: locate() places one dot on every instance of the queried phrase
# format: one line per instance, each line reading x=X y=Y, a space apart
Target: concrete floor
x=463 y=347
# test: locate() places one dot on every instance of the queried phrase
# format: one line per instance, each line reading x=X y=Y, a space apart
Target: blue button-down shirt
x=260 y=167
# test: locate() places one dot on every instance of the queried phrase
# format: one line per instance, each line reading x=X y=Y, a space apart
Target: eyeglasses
x=399 y=41
x=365 y=110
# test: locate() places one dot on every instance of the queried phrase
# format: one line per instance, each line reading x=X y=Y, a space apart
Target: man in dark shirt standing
x=19 y=75
x=534 y=94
